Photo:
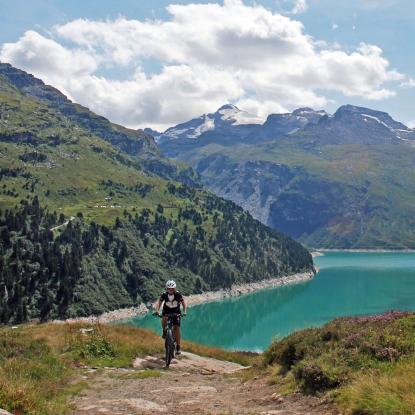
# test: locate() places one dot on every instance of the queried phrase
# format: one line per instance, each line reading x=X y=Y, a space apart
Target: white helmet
x=170 y=284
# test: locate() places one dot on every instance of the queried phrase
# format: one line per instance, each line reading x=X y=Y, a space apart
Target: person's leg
x=163 y=325
x=177 y=334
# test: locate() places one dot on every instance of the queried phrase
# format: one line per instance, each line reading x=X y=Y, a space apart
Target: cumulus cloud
x=208 y=54
x=48 y=58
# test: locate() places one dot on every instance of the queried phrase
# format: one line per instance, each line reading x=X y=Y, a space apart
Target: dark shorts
x=175 y=318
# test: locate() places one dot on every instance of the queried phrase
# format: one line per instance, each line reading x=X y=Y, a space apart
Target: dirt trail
x=192 y=385
x=63 y=224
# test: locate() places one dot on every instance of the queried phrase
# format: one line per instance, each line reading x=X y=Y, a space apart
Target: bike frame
x=170 y=341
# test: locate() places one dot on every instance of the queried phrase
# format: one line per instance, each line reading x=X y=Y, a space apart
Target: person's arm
x=158 y=305
x=184 y=304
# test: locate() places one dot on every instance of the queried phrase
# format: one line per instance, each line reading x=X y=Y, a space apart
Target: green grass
x=388 y=391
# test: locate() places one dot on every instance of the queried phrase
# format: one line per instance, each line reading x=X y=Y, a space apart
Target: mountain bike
x=170 y=341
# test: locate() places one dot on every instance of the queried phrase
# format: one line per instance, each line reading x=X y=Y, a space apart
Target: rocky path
x=193 y=385
x=63 y=224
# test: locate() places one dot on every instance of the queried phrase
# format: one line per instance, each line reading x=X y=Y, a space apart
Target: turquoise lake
x=348 y=283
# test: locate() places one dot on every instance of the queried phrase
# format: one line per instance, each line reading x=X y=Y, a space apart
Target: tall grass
x=32 y=376
x=387 y=392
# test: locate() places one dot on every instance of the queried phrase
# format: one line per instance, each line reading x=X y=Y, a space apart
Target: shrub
x=312 y=378
x=325 y=358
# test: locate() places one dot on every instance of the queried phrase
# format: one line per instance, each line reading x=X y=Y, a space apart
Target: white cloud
x=408 y=83
x=411 y=124
x=209 y=54
x=48 y=58
x=334 y=26
x=300 y=6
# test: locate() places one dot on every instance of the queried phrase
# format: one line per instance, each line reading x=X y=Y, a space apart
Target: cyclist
x=172 y=300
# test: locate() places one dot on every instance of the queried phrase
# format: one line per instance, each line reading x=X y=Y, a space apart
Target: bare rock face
x=4 y=412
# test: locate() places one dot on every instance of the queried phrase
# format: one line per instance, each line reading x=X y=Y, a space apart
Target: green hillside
x=324 y=195
x=88 y=227
x=46 y=154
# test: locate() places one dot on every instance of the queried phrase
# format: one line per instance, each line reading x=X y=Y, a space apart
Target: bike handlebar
x=155 y=314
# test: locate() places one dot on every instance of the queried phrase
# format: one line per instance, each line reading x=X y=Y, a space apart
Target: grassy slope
x=366 y=364
x=376 y=182
x=70 y=178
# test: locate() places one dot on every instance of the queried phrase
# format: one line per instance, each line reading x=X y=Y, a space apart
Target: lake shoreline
x=319 y=252
x=241 y=289
x=195 y=299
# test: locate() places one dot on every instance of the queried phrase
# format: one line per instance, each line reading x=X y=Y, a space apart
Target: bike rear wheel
x=169 y=345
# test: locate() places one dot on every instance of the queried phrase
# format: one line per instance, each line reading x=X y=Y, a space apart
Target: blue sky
x=164 y=85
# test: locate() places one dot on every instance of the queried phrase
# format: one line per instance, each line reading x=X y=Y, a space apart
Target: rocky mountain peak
x=370 y=117
x=131 y=141
x=228 y=107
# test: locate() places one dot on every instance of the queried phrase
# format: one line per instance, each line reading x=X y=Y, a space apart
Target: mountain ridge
x=136 y=143
x=353 y=167
x=276 y=124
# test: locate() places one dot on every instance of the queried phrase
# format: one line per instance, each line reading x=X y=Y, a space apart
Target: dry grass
x=386 y=392
x=33 y=379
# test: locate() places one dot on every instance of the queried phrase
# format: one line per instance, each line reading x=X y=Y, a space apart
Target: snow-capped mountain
x=358 y=125
x=227 y=125
x=288 y=123
x=230 y=125
x=225 y=117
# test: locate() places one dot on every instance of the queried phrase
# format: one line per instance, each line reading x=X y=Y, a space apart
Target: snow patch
x=238 y=117
x=208 y=124
x=376 y=119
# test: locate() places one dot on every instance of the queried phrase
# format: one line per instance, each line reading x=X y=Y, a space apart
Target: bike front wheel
x=169 y=345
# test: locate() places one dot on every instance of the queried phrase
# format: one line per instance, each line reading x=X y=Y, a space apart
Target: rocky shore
x=375 y=250
x=109 y=316
x=241 y=289
x=194 y=299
